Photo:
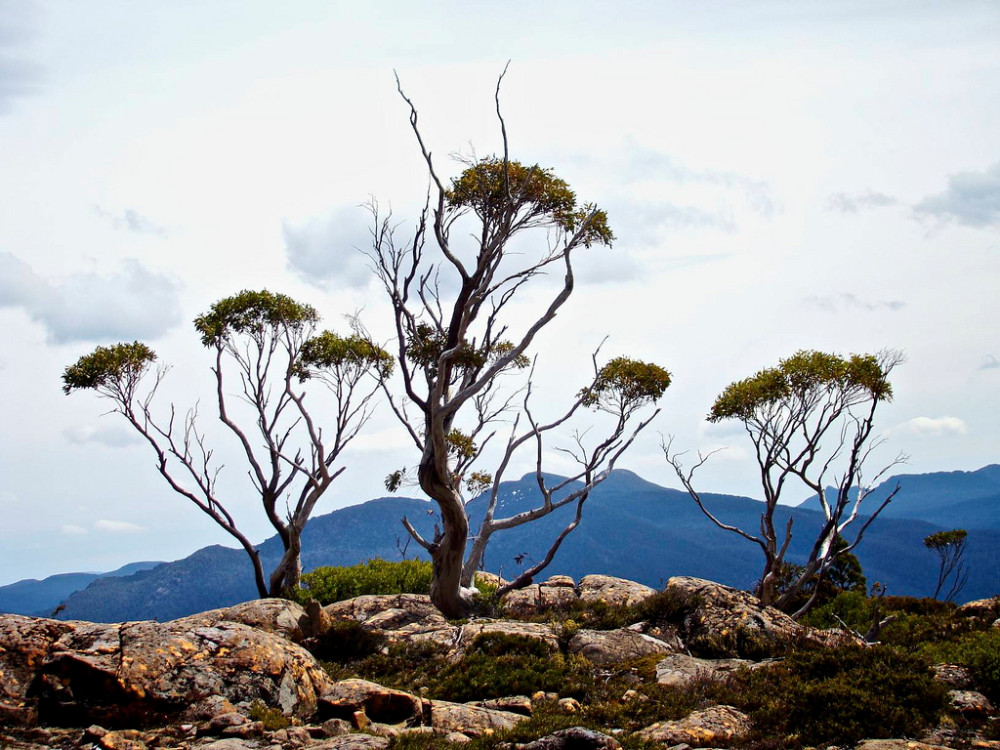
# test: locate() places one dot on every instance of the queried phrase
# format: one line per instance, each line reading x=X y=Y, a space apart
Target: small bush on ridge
x=333 y=584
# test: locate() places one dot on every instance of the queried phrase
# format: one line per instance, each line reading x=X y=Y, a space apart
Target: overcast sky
x=780 y=175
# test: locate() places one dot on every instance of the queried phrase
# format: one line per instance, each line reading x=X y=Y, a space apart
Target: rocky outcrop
x=727 y=623
x=614 y=646
x=534 y=630
x=380 y=704
x=277 y=616
x=574 y=738
x=682 y=671
x=472 y=721
x=615 y=592
x=132 y=674
x=716 y=726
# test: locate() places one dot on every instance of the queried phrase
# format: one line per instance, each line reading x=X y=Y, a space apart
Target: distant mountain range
x=34 y=597
x=631 y=528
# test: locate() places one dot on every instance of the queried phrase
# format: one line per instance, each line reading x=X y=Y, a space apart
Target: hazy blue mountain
x=631 y=528
x=34 y=597
x=950 y=499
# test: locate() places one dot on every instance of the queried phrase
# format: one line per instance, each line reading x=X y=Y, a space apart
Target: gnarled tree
x=267 y=348
x=810 y=420
x=455 y=344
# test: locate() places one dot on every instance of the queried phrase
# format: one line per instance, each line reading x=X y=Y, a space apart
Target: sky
x=779 y=175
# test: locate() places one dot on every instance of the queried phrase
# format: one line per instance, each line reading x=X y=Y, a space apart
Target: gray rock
x=716 y=726
x=954 y=675
x=615 y=646
x=277 y=616
x=574 y=738
x=970 y=703
x=380 y=704
x=535 y=630
x=471 y=720
x=613 y=591
x=681 y=670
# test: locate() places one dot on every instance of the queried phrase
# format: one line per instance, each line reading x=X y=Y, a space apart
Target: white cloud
x=327 y=251
x=845 y=301
x=72 y=529
x=135 y=303
x=930 y=427
x=972 y=199
x=132 y=221
x=118 y=527
x=853 y=204
x=111 y=435
x=18 y=77
x=990 y=362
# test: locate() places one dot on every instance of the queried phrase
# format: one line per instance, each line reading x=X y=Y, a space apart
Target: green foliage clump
x=117 y=368
x=330 y=351
x=625 y=384
x=840 y=696
x=253 y=314
x=504 y=192
x=271 y=716
x=980 y=651
x=333 y=584
x=497 y=665
x=346 y=641
x=798 y=376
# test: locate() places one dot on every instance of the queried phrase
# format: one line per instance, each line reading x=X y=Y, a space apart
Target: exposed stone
x=25 y=644
x=537 y=598
x=716 y=726
x=574 y=738
x=613 y=591
x=278 y=616
x=361 y=608
x=970 y=703
x=385 y=705
x=985 y=608
x=518 y=704
x=334 y=727
x=726 y=622
x=681 y=670
x=954 y=675
x=353 y=742
x=614 y=646
x=205 y=709
x=126 y=739
x=471 y=720
x=896 y=745
x=223 y=721
x=132 y=674
x=569 y=705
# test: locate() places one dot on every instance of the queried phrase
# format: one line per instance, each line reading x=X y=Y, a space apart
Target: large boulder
x=472 y=721
x=715 y=726
x=380 y=704
x=25 y=644
x=574 y=738
x=683 y=671
x=127 y=674
x=539 y=597
x=613 y=591
x=534 y=630
x=724 y=622
x=615 y=646
x=279 y=616
x=418 y=607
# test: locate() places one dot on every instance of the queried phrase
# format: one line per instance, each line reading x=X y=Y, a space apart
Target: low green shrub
x=271 y=716
x=840 y=696
x=346 y=641
x=377 y=576
x=979 y=651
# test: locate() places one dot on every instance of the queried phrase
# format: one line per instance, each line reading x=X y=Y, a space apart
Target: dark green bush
x=979 y=651
x=377 y=576
x=271 y=716
x=346 y=641
x=841 y=696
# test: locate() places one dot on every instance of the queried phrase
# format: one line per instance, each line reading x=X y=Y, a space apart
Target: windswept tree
x=949 y=546
x=810 y=420
x=267 y=352
x=464 y=365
